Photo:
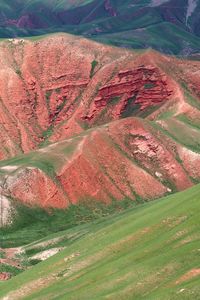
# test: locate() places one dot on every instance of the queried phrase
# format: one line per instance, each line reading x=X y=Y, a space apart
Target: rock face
x=141 y=88
x=103 y=122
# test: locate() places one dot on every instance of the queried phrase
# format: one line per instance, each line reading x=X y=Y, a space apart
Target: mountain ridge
x=123 y=23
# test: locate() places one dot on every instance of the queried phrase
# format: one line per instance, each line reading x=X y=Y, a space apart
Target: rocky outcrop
x=143 y=88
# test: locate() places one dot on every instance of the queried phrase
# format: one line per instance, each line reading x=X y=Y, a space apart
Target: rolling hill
x=148 y=252
x=169 y=26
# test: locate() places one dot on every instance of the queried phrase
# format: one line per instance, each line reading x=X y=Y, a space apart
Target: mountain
x=171 y=26
x=149 y=252
x=90 y=135
x=81 y=122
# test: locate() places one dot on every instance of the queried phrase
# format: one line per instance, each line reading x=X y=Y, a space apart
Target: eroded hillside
x=95 y=122
x=59 y=86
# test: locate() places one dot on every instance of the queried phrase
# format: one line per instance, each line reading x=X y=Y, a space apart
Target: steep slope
x=130 y=23
x=151 y=252
x=64 y=87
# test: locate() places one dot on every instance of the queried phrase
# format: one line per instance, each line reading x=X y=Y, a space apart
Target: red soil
x=32 y=186
x=47 y=88
x=57 y=87
x=125 y=159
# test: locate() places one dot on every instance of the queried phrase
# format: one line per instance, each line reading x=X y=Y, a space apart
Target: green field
x=141 y=253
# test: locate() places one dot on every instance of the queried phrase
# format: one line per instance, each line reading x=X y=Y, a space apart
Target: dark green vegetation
x=12 y=270
x=31 y=224
x=2 y=255
x=149 y=252
x=170 y=26
x=93 y=66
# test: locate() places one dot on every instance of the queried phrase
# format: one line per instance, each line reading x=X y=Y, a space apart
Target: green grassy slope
x=142 y=253
x=163 y=36
x=137 y=24
x=32 y=224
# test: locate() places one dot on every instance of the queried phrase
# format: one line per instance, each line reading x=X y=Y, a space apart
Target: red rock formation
x=144 y=86
x=49 y=90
